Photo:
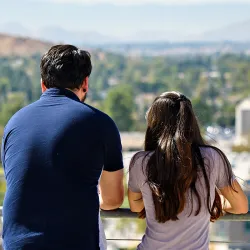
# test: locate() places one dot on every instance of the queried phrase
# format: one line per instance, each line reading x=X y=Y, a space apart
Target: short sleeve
x=113 y=160
x=135 y=170
x=223 y=170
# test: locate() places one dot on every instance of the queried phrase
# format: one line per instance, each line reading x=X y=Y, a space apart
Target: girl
x=176 y=183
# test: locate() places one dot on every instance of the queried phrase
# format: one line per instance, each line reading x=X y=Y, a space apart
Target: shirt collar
x=56 y=92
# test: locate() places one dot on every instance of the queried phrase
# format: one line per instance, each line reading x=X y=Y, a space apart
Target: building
x=242 y=125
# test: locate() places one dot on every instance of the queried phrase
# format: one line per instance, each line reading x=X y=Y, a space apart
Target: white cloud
x=136 y=2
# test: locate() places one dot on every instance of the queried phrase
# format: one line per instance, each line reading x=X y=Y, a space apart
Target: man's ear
x=85 y=85
x=43 y=87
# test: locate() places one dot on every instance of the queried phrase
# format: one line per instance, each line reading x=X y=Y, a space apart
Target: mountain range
x=239 y=32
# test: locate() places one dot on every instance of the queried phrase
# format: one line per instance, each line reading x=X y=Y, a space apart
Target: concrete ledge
x=126 y=213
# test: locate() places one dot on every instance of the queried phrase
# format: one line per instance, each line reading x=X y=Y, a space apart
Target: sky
x=126 y=17
x=136 y=2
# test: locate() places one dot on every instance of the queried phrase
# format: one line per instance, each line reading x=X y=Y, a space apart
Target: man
x=54 y=152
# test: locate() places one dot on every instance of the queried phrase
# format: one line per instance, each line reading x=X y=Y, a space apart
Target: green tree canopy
x=14 y=102
x=119 y=104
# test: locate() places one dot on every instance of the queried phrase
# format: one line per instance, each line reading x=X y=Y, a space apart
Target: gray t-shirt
x=189 y=232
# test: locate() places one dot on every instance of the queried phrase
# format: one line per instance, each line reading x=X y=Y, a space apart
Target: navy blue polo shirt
x=53 y=153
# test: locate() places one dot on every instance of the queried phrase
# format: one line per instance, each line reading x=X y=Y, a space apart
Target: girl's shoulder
x=140 y=157
x=211 y=153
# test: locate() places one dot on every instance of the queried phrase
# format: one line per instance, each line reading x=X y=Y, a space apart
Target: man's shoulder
x=105 y=123
x=20 y=114
x=100 y=115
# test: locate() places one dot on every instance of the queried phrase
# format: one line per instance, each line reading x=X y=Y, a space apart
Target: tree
x=15 y=101
x=4 y=88
x=203 y=111
x=119 y=104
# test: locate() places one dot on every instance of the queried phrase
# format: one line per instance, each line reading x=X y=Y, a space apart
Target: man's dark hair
x=65 y=66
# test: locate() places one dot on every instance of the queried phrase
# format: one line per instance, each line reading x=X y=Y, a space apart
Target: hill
x=21 y=46
x=235 y=32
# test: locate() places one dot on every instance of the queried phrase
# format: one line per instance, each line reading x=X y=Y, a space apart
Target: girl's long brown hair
x=174 y=137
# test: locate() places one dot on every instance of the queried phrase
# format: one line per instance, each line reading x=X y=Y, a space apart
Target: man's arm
x=111 y=190
x=111 y=181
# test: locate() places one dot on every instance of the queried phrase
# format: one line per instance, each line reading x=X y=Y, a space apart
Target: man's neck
x=76 y=92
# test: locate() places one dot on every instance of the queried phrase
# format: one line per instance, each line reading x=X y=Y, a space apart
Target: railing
x=126 y=213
